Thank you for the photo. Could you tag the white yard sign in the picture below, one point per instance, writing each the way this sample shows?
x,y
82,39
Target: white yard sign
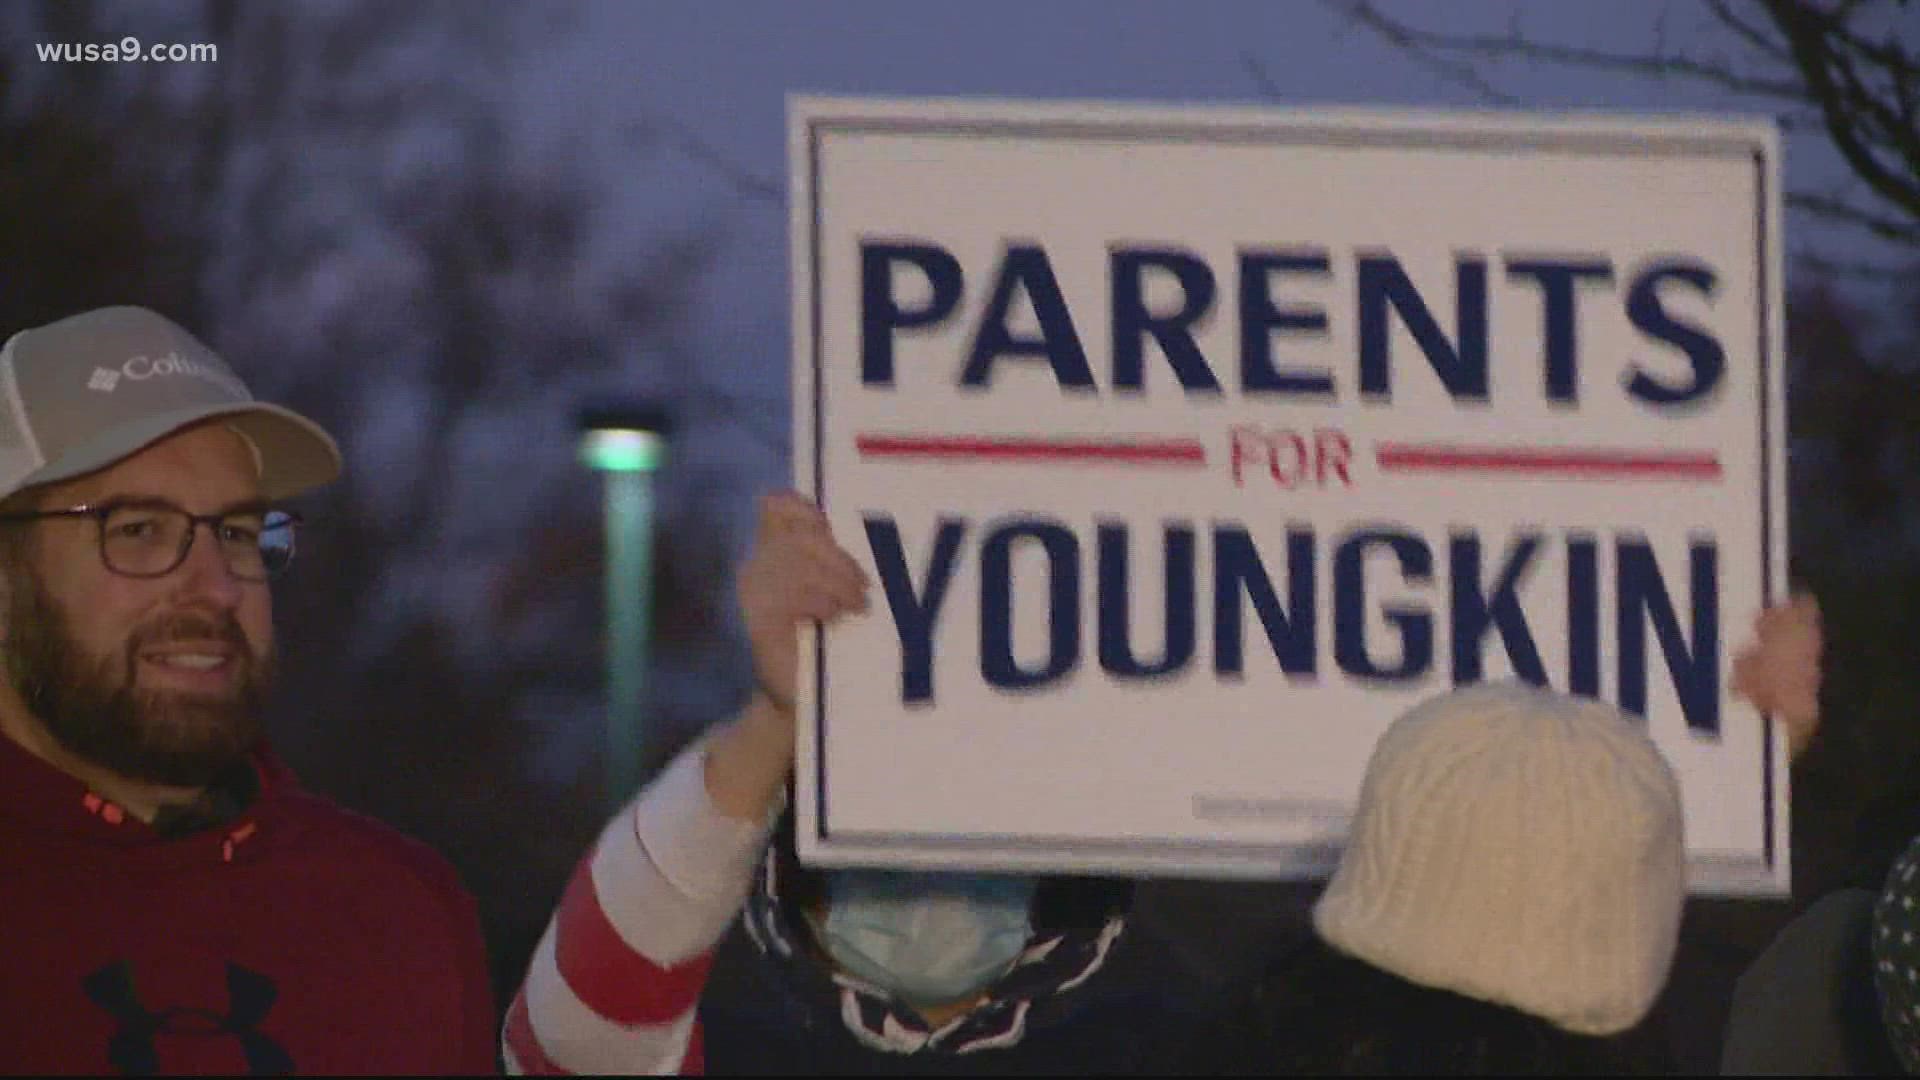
x,y
1188,447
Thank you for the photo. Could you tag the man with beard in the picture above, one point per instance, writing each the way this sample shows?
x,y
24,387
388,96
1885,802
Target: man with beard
x,y
170,900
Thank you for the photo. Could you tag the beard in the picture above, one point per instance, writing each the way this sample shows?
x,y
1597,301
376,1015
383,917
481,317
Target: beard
x,y
91,707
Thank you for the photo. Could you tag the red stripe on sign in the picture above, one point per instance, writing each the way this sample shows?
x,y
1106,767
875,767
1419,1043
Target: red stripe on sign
x,y
1143,451
1558,461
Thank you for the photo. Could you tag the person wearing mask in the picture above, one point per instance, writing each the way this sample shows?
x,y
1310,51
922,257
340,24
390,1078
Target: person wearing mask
x,y
868,971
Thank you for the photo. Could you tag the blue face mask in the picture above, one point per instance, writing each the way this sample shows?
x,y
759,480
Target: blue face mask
x,y
928,939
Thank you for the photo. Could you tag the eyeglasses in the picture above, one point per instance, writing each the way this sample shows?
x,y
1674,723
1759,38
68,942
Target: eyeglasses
x,y
150,538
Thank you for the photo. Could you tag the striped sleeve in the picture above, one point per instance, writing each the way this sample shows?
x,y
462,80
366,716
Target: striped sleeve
x,y
614,982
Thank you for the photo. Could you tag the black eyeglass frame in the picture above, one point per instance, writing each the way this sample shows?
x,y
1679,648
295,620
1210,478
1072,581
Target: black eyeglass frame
x,y
272,518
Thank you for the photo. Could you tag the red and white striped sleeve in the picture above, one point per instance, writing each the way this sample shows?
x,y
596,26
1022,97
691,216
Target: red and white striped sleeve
x,y
614,983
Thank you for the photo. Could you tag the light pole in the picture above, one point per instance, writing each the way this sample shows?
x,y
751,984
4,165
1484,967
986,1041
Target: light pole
x,y
625,442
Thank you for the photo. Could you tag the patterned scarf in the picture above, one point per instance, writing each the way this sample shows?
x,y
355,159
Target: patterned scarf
x,y
1896,956
1053,963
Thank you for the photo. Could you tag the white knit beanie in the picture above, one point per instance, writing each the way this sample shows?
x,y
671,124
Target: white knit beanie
x,y
1517,846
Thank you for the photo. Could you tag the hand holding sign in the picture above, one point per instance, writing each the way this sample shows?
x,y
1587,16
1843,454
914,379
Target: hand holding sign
x,y
1780,672
796,572
1190,445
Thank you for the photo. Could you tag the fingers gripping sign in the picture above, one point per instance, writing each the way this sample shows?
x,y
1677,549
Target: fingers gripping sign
x,y
1779,672
796,573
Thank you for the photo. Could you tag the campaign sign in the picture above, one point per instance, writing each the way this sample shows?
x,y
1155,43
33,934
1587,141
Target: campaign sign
x,y
1187,447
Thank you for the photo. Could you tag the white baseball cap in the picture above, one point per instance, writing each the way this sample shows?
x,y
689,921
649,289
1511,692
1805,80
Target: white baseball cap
x,y
80,394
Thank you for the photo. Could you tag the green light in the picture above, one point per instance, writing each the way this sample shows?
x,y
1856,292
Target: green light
x,y
621,450
629,502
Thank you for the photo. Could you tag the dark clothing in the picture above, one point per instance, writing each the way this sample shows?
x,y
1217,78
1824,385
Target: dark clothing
x,y
1807,1006
1089,996
1120,1022
1318,1011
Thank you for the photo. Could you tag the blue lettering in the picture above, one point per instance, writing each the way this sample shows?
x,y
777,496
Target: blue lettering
x,y
1132,321
1474,612
1414,624
881,313
1260,316
1384,285
1557,281
1116,646
1651,318
1583,616
997,663
914,611
1695,666
1237,571
1026,269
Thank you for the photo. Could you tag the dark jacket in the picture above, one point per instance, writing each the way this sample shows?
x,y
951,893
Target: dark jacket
x,y
1318,1011
1807,1005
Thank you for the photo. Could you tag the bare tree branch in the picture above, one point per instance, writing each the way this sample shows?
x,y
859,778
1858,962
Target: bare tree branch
x,y
1258,72
1906,88
1880,122
1453,71
1836,209
744,180
1863,95
1849,269
1802,117
1657,65
1814,55
1770,47
1887,54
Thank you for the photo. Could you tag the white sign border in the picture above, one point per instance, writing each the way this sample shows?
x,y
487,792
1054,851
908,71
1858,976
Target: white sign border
x,y
813,119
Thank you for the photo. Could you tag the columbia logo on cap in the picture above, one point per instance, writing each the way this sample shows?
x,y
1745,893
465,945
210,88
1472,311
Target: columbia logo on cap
x,y
143,367
63,412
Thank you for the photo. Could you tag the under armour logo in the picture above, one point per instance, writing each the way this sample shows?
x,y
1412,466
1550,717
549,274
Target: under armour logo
x,y
131,1050
103,380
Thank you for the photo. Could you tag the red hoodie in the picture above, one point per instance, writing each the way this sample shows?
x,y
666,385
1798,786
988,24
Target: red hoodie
x,y
297,937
